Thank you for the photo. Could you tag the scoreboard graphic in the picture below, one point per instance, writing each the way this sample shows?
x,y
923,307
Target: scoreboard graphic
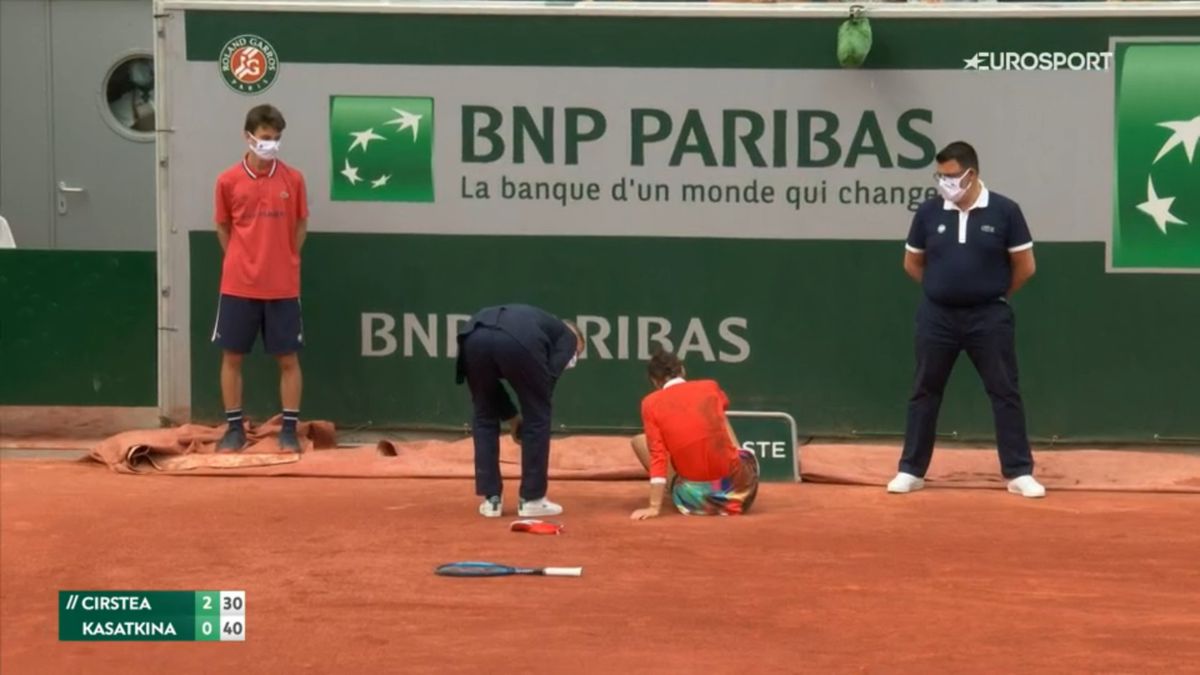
x,y
152,616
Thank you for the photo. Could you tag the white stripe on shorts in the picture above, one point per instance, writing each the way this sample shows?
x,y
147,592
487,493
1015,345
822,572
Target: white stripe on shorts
x,y
217,320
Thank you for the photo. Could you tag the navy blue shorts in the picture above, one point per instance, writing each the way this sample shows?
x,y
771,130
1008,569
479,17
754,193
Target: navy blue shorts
x,y
241,320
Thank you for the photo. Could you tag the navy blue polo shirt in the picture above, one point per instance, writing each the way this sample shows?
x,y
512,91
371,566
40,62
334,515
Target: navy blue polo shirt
x,y
967,252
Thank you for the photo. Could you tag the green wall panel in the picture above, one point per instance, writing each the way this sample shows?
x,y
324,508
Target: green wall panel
x,y
78,328
830,323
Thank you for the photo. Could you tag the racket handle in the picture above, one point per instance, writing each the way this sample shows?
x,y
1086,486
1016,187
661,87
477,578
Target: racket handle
x,y
563,571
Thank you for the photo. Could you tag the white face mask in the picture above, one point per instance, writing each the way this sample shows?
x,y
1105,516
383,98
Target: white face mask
x,y
264,149
571,363
951,187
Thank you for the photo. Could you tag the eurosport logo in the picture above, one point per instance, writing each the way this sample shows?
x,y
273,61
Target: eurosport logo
x,y
1038,61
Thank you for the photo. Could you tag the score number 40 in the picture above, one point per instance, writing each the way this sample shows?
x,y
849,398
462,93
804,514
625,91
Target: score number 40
x,y
230,627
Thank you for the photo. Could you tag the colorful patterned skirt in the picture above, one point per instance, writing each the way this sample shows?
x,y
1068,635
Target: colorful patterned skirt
x,y
729,496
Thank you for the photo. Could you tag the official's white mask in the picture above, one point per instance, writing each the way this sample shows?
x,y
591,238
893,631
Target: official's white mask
x,y
951,188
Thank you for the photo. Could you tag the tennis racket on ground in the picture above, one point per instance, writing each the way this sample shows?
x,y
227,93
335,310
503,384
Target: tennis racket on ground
x,y
487,569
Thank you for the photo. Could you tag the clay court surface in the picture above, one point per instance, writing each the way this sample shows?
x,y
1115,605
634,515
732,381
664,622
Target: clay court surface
x,y
338,575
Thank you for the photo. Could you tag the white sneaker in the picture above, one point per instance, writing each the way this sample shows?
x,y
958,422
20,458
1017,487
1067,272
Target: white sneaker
x,y
904,483
1026,486
538,507
491,507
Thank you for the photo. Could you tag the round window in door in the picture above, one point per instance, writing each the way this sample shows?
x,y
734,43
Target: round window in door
x,y
129,97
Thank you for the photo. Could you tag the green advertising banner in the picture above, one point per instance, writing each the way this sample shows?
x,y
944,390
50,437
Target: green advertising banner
x,y
828,341
1156,205
395,163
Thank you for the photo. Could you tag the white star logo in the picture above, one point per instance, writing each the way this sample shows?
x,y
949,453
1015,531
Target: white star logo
x,y
1158,208
380,182
351,173
406,120
973,62
1186,134
363,138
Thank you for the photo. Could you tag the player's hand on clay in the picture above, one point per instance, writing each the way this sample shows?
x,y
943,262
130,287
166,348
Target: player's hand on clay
x,y
645,514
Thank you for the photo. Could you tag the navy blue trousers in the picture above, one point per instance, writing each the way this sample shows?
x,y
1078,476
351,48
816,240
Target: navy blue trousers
x,y
987,333
492,357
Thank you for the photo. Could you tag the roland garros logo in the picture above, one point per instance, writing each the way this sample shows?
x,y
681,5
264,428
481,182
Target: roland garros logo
x,y
249,64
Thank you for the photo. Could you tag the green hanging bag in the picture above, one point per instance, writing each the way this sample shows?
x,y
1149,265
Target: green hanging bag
x,y
854,41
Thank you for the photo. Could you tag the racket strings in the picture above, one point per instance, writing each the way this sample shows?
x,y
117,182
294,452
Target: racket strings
x,y
473,570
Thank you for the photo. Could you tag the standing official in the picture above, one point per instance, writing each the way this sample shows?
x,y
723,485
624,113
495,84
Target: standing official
x,y
261,215
530,349
970,251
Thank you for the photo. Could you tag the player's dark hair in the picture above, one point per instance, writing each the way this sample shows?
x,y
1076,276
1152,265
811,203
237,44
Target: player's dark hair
x,y
663,366
961,152
265,115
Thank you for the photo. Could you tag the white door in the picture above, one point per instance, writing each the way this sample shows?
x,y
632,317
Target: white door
x,y
103,141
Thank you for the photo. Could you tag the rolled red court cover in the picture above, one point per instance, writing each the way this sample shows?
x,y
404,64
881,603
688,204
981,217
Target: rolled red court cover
x,y
536,527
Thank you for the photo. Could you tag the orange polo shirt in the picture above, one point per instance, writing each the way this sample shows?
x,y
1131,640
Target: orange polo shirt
x,y
262,261
685,421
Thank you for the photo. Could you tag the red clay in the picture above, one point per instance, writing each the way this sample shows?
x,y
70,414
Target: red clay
x,y
338,575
